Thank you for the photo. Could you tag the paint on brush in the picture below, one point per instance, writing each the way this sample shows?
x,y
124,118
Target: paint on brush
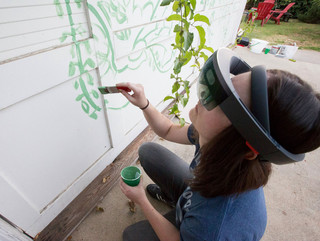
x,y
112,89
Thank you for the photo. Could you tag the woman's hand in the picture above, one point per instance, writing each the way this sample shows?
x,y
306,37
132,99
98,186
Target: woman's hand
x,y
138,97
135,194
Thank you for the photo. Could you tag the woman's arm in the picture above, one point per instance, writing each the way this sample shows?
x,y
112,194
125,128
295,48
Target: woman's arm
x,y
165,230
161,125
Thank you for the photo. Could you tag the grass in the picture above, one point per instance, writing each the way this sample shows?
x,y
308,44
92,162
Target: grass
x,y
306,36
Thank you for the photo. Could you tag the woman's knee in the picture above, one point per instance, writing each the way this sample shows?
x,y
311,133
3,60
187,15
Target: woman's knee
x,y
147,151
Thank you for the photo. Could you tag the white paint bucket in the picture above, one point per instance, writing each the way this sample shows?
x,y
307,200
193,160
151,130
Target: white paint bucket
x,y
257,45
288,51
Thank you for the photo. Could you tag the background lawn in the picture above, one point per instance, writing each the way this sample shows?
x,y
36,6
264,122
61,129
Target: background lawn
x,y
306,36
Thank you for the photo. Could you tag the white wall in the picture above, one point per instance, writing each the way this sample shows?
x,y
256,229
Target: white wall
x,y
57,132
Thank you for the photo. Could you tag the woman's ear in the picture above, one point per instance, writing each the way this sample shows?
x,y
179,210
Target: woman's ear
x,y
250,155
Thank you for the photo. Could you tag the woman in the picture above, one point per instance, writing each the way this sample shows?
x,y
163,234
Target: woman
x,y
220,196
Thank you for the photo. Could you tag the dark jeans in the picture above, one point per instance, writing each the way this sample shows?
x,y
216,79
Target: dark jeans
x,y
170,173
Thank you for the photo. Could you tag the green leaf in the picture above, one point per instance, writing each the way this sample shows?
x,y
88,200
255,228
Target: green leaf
x,y
182,121
181,40
95,94
208,48
177,28
76,85
78,2
59,9
186,10
63,37
173,17
187,56
165,2
79,97
186,86
178,39
72,51
177,66
184,101
201,18
94,115
191,15
90,79
202,35
186,24
168,98
175,6
175,87
188,39
174,109
85,106
72,69
204,56
193,4
90,62
172,76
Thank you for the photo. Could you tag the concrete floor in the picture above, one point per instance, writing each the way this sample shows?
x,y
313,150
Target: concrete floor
x,y
292,194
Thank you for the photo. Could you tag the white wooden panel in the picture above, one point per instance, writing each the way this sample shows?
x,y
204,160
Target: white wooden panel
x,y
8,15
9,233
19,3
32,28
26,40
124,14
13,204
217,3
141,37
47,142
21,79
36,25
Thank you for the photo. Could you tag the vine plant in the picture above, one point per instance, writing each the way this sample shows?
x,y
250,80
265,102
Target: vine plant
x,y
187,23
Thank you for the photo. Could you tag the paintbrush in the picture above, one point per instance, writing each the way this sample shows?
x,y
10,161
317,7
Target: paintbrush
x,y
112,89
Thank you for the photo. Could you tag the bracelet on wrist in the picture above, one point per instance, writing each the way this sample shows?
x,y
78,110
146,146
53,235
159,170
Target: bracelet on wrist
x,y
143,108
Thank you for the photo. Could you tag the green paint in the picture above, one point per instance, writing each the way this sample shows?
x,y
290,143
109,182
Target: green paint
x,y
119,108
59,9
78,2
158,57
105,29
154,7
88,102
88,47
157,60
143,39
102,6
123,35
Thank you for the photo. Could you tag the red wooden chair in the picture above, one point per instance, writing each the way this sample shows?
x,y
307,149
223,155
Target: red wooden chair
x,y
263,10
278,14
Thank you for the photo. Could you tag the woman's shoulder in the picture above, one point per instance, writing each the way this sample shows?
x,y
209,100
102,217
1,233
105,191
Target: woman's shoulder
x,y
246,216
252,199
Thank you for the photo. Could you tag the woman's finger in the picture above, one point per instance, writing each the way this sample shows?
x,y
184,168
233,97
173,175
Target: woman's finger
x,y
122,187
127,95
133,87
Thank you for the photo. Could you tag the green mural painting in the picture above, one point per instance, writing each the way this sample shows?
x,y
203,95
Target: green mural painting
x,y
106,14
87,98
142,43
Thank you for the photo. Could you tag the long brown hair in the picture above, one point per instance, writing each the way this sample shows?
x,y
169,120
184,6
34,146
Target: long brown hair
x,y
294,110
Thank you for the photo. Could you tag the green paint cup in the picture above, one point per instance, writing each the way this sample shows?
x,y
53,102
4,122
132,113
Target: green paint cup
x,y
131,175
267,50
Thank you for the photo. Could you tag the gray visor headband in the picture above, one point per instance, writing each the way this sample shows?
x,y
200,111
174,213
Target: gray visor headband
x,y
215,88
